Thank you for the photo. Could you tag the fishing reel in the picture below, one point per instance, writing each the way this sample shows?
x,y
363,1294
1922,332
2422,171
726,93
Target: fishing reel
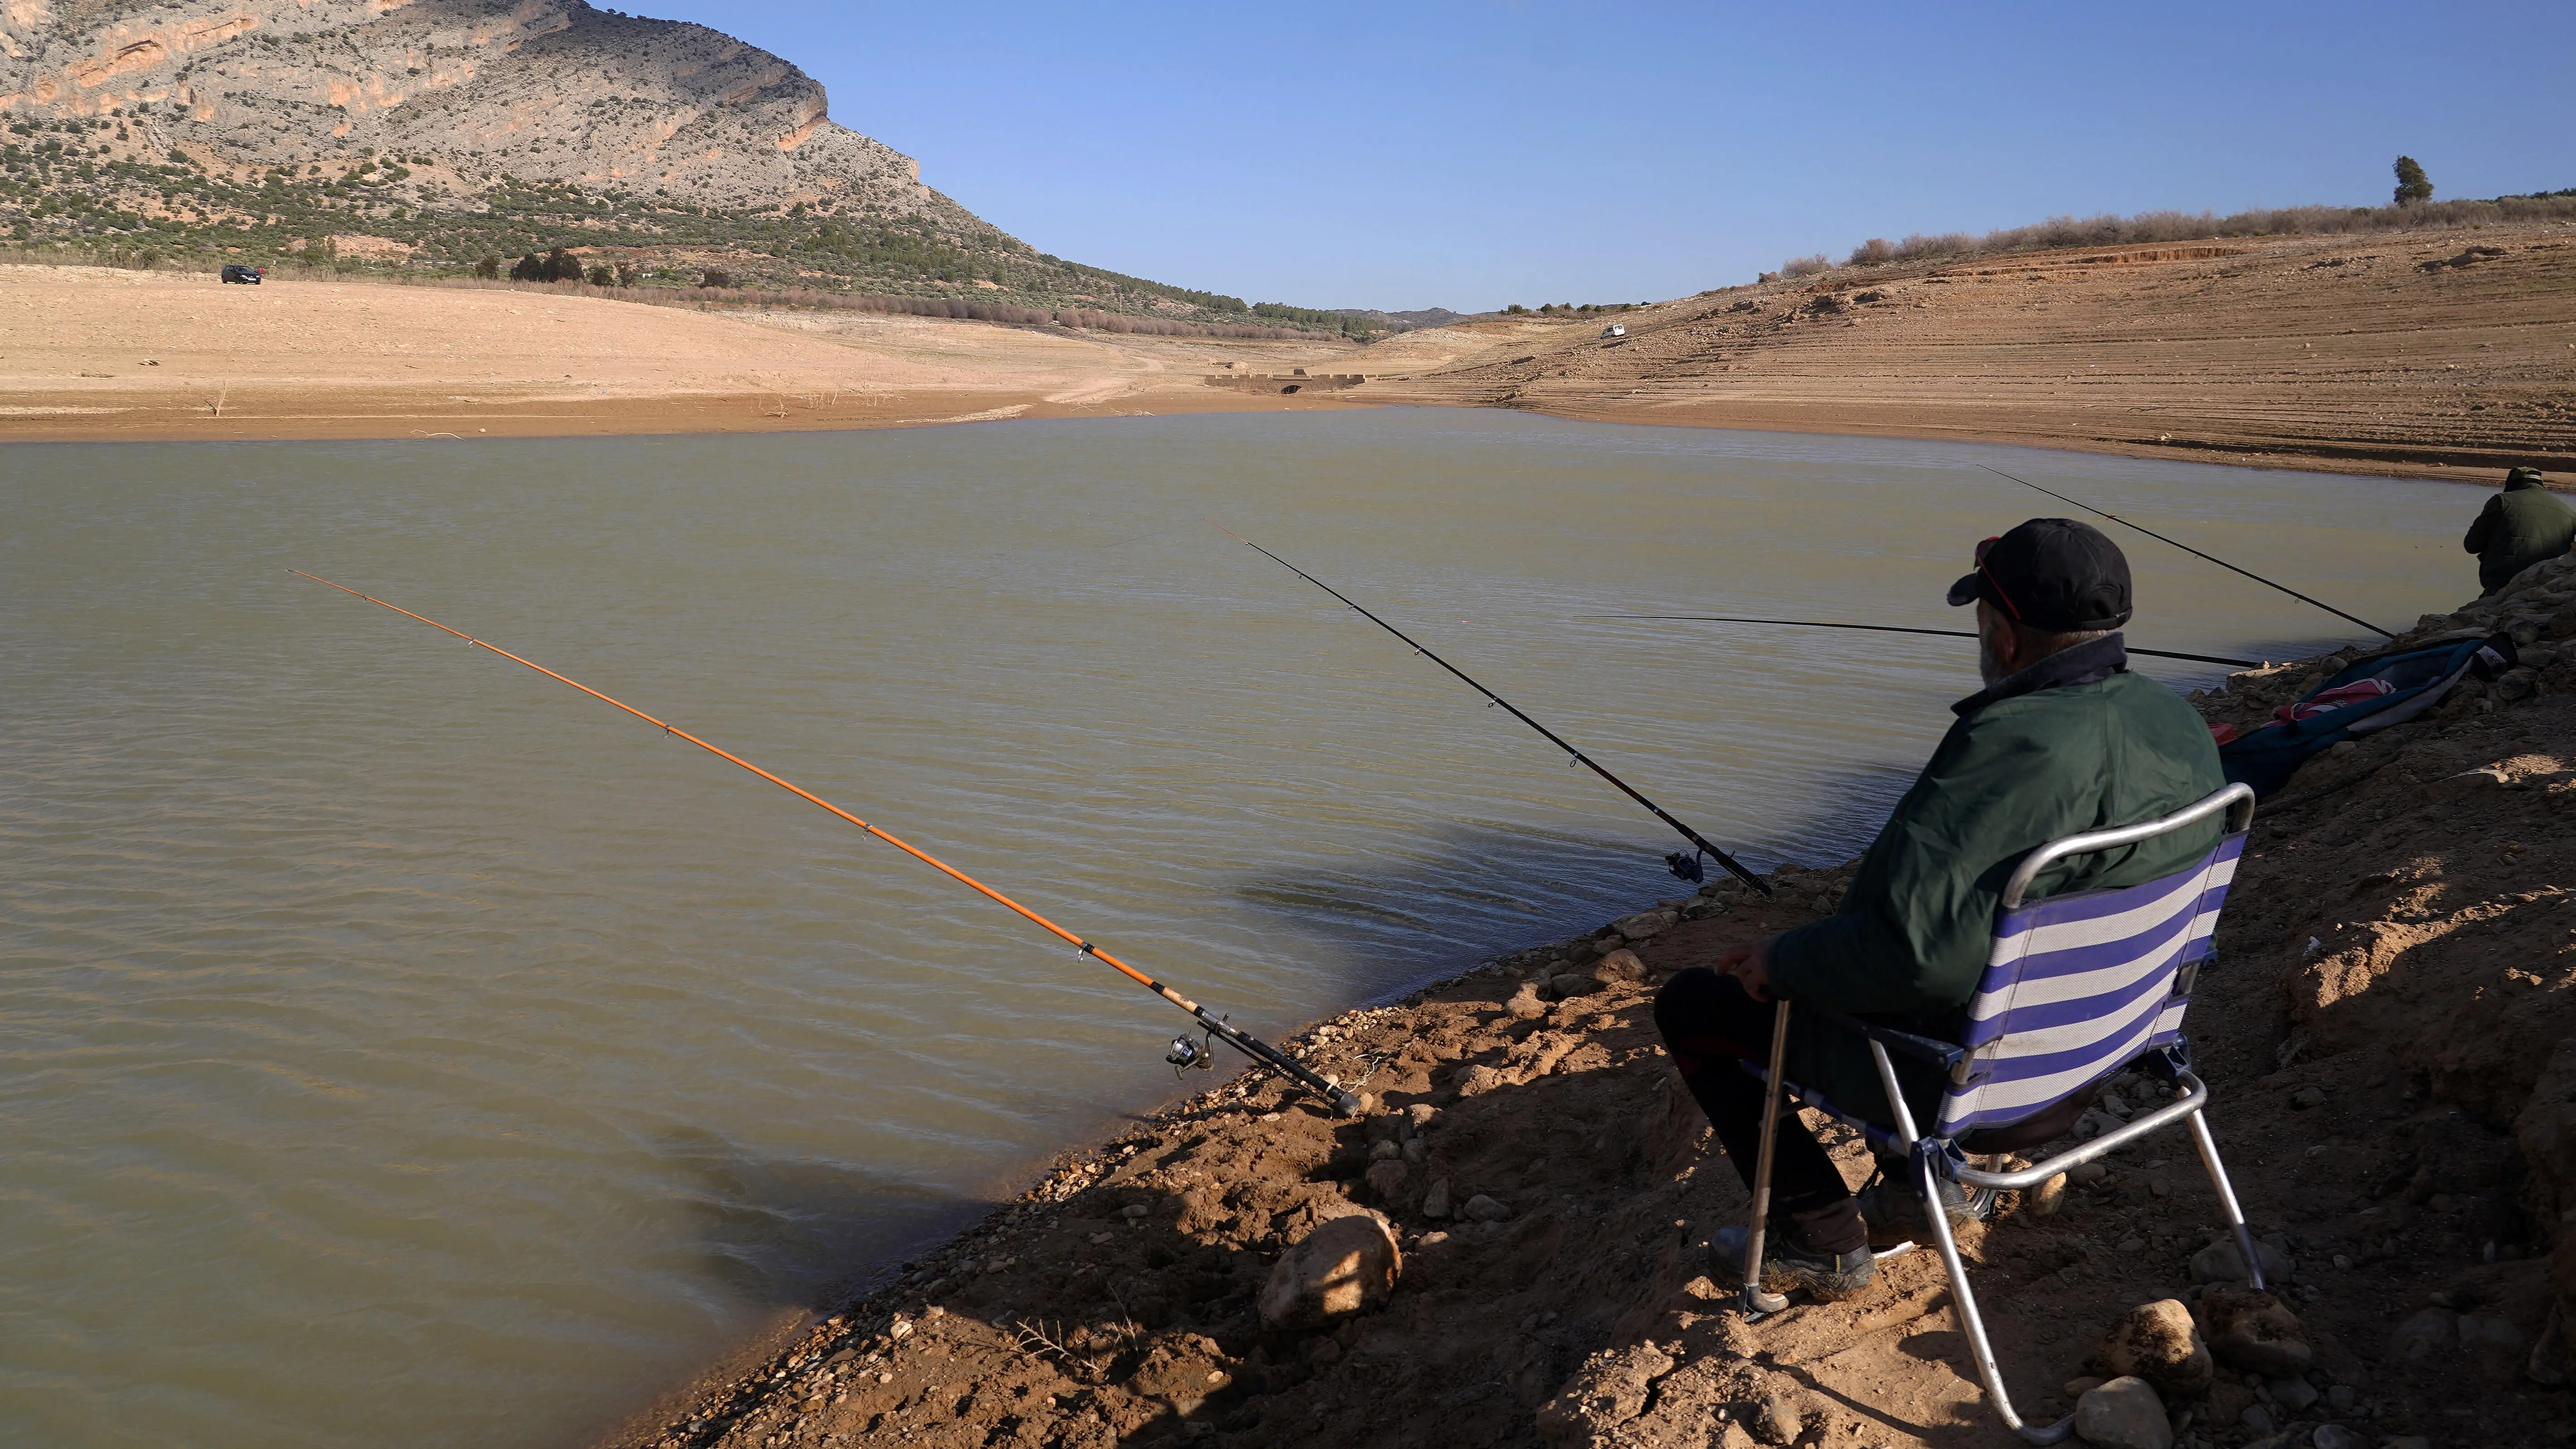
x,y
1686,867
1185,1054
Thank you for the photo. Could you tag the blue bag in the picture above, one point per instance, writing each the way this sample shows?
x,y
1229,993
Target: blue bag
x,y
2414,682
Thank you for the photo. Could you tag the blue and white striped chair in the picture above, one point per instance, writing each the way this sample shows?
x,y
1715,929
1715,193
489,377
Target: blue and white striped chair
x,y
2077,988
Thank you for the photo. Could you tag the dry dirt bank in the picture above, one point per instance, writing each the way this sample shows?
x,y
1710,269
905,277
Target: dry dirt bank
x,y
2391,1031
98,354
2418,353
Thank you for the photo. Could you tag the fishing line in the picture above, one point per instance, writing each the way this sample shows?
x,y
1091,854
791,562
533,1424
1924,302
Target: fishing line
x,y
1183,1052
1904,629
2195,553
1687,867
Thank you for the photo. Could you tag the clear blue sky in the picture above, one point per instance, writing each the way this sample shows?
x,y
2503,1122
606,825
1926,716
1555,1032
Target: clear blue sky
x,y
1468,154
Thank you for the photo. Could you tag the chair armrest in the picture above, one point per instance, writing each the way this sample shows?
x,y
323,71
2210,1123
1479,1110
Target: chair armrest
x,y
1946,1055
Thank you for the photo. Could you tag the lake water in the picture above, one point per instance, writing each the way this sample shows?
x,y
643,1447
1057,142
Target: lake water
x,y
399,1048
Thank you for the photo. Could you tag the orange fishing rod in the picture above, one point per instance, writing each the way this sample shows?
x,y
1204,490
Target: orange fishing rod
x,y
1184,1052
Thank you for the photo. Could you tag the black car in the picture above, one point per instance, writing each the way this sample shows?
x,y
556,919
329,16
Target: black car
x,y
236,272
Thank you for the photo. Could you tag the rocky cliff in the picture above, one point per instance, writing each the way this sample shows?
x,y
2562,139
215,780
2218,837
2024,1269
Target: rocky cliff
x,y
539,90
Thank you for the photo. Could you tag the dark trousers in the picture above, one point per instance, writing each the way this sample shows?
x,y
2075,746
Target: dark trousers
x,y
1709,1024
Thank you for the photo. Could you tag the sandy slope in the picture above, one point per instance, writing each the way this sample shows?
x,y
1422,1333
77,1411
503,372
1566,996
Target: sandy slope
x,y
88,353
2390,1029
2359,353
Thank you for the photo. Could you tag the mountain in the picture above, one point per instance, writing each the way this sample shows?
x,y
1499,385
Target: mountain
x,y
438,133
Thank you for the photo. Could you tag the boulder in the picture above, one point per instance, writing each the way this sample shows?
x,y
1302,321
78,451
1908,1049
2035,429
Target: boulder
x,y
2253,1333
1345,1267
1387,1178
1573,984
1645,924
2158,1342
2124,1414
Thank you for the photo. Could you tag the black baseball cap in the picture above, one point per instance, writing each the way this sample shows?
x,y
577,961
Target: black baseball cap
x,y
2051,573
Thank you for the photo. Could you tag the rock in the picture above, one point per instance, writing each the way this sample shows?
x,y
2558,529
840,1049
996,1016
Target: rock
x,y
2227,1401
1480,1079
1619,966
1609,1390
2257,1418
2407,1441
2253,1333
1525,1005
2296,1395
2307,1097
2493,1343
1346,1266
2045,1199
1435,1203
2424,1335
2518,683
2158,1342
1732,1436
2335,1436
1573,984
2342,1399
1134,1211
2078,1388
2221,1263
1386,1179
1644,924
1385,1148
1420,1115
1776,1421
1483,1209
2124,1414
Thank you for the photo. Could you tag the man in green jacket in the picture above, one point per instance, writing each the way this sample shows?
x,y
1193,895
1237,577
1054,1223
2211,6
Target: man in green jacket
x,y
2062,740
2521,526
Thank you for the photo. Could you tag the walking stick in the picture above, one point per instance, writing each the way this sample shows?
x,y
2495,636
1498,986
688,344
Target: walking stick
x,y
1756,1302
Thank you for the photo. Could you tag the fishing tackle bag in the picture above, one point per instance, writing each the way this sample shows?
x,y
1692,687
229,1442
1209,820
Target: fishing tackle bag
x,y
2367,696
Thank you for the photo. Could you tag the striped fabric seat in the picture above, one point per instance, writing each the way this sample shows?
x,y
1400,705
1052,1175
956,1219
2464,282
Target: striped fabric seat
x,y
2078,986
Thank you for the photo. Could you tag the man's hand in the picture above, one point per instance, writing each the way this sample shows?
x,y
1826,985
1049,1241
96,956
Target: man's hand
x,y
1749,964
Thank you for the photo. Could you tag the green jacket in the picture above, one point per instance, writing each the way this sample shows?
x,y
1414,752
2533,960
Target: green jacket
x,y
2073,743
2521,526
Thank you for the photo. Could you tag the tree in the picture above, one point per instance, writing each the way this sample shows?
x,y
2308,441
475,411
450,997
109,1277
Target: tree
x,y
603,276
2413,186
489,269
529,268
561,266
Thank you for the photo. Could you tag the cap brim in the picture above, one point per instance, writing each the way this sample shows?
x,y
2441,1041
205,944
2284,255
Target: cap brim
x,y
1967,590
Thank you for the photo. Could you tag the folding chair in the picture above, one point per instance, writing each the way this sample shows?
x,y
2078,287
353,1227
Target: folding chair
x,y
2077,987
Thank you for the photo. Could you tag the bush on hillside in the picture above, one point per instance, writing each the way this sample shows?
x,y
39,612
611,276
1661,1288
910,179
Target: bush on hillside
x,y
1806,266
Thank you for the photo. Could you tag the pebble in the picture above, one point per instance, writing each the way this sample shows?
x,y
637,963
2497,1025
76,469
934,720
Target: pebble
x,y
2125,1413
1133,1211
2335,1436
1435,1203
2408,1441
2258,1419
1384,1150
2307,1097
2253,1333
2342,1399
2296,1395
1487,1209
1346,1266
2423,1335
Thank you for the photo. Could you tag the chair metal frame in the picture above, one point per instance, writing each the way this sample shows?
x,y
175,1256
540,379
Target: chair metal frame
x,y
1936,1158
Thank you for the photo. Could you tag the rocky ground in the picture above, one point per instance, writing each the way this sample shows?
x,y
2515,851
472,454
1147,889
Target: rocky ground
x,y
2420,351
1510,1246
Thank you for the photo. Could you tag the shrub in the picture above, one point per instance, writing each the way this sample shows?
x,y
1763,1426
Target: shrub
x,y
529,268
1877,251
1806,266
715,277
489,269
603,275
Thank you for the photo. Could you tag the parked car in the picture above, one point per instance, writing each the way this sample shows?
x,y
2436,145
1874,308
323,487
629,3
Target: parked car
x,y
1614,330
236,272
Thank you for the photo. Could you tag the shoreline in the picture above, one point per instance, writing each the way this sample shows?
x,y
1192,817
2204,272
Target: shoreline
x,y
1111,1299
2394,355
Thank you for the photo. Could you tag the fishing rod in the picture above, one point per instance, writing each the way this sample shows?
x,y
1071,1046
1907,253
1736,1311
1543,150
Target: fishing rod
x,y
1903,629
1184,1052
2195,553
1686,867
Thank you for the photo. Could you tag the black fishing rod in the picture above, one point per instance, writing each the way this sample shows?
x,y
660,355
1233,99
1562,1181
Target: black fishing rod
x,y
2195,553
1687,867
1904,629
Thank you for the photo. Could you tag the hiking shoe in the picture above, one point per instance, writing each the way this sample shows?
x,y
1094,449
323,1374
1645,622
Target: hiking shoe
x,y
1893,1206
1788,1266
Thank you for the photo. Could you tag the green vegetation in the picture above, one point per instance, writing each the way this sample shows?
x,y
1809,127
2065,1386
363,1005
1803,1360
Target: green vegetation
x,y
2413,186
86,184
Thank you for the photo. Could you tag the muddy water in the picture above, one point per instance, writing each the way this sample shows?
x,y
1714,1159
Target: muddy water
x,y
399,1048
